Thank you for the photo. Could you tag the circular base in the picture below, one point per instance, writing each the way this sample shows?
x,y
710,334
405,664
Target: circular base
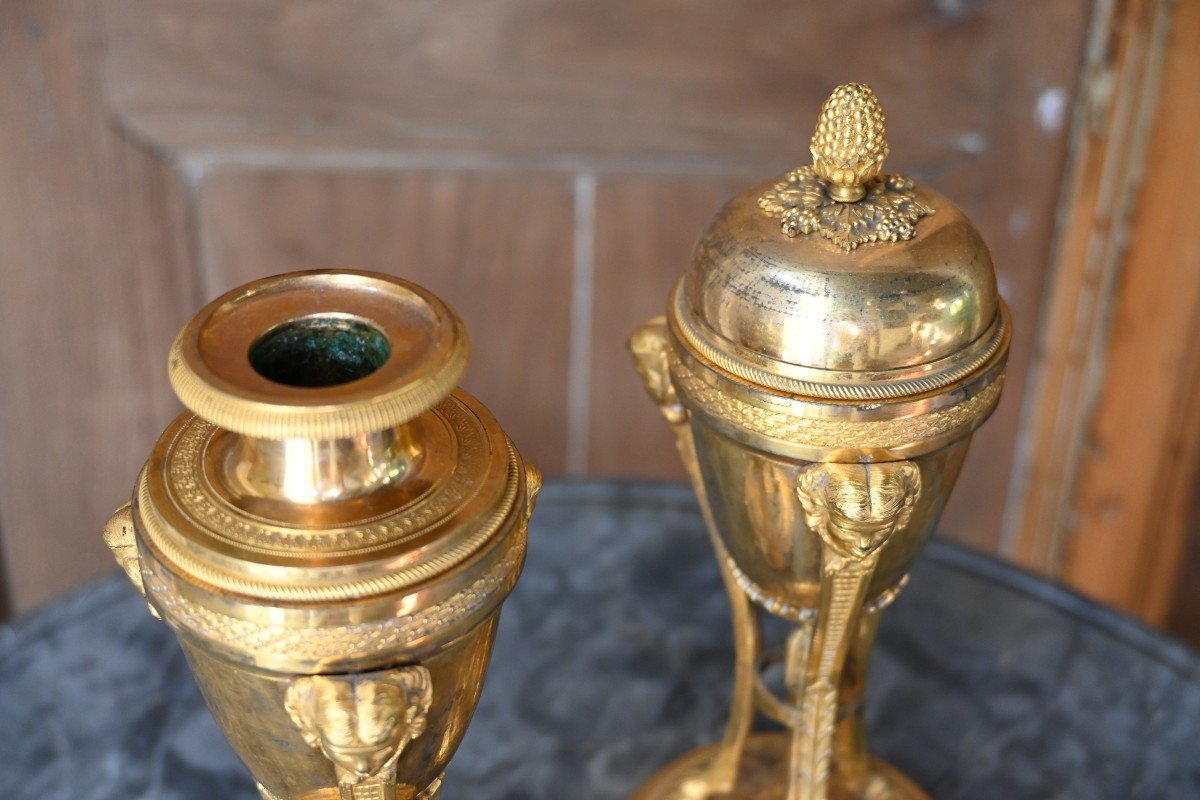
x,y
763,775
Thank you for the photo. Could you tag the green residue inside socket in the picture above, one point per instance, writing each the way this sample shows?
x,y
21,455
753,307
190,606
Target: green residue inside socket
x,y
319,351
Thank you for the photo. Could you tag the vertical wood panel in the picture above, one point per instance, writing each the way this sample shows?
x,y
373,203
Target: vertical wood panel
x,y
89,300
1131,513
1012,194
646,227
1116,107
1183,619
497,247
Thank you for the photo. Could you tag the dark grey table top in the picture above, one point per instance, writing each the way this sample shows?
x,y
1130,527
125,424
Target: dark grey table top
x,y
614,656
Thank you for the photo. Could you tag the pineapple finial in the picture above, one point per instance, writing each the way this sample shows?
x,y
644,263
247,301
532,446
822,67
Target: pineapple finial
x,y
848,146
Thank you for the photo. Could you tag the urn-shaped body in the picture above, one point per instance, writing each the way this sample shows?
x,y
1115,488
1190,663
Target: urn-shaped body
x,y
330,531
823,361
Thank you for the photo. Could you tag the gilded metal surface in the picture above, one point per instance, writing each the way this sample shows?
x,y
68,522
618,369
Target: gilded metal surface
x,y
121,540
850,141
783,557
213,376
831,431
822,398
841,196
179,505
799,308
803,429
362,723
260,640
855,508
332,534
432,793
803,309
766,758
879,385
887,212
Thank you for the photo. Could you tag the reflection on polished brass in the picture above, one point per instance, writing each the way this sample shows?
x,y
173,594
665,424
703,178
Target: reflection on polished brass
x,y
121,540
330,532
841,196
362,723
823,391
850,142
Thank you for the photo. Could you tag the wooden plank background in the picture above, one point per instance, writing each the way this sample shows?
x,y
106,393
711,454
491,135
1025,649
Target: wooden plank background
x,y
1132,510
543,165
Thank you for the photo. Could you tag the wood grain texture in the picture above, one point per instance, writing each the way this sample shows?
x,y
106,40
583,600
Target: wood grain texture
x,y
978,97
157,152
583,82
1113,119
646,227
1183,618
497,247
1026,67
1132,510
95,282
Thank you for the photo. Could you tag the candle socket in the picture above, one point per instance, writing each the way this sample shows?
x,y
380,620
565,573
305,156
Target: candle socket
x,y
330,531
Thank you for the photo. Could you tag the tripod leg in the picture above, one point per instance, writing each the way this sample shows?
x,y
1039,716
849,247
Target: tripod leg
x,y
650,347
723,773
855,509
843,587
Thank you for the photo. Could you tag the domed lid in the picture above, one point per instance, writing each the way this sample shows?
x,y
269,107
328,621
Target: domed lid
x,y
837,281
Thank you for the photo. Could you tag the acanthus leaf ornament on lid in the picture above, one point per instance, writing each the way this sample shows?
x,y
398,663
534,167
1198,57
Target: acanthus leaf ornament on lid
x,y
842,196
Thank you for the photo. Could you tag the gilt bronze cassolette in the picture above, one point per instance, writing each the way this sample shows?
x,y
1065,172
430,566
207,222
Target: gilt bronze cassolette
x,y
823,364
330,531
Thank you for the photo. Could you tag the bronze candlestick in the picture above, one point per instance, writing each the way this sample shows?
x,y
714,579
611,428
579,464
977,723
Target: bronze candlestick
x,y
823,364
331,531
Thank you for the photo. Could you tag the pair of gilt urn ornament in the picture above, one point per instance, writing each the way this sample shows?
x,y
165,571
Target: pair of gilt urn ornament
x,y
333,526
